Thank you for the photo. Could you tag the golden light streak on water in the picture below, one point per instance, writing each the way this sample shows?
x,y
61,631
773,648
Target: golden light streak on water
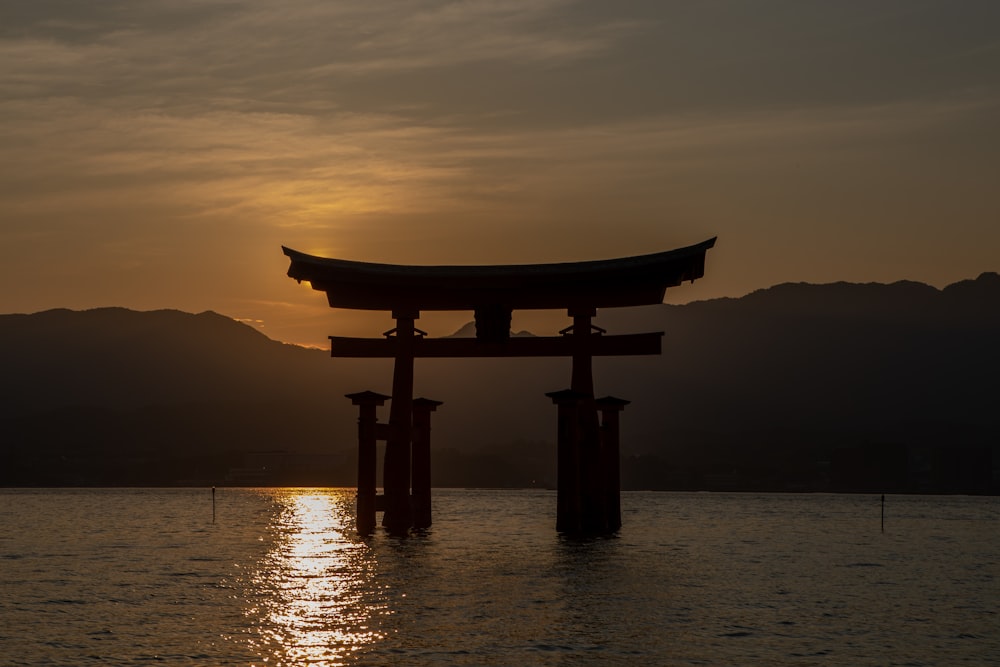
x,y
321,578
143,577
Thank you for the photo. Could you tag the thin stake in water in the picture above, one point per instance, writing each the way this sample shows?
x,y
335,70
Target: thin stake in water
x,y
213,504
883,513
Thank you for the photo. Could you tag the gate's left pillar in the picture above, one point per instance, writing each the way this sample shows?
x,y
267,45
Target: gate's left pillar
x,y
367,401
421,480
398,516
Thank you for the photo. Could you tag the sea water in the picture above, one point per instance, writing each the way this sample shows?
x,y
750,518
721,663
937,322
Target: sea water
x,y
278,577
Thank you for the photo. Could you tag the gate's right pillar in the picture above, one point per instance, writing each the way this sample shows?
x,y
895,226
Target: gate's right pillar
x,y
610,408
591,493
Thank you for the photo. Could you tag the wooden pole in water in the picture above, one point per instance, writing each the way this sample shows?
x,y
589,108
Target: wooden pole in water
x,y
883,513
213,504
421,461
569,509
367,458
591,489
610,408
398,516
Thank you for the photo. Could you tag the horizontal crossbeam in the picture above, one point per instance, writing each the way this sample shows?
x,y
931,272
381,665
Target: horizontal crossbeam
x,y
548,346
609,283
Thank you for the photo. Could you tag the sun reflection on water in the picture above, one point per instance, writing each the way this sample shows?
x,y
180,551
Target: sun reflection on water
x,y
321,603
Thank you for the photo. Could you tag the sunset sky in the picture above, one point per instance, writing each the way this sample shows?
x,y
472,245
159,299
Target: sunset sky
x,y
157,153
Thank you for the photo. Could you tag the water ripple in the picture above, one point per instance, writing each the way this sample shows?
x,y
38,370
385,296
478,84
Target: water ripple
x,y
133,577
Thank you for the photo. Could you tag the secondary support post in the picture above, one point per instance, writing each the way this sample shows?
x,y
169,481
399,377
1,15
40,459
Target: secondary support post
x,y
367,459
398,518
610,408
569,508
422,409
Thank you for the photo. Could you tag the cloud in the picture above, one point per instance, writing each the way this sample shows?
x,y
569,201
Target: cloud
x,y
172,55
236,106
300,170
202,135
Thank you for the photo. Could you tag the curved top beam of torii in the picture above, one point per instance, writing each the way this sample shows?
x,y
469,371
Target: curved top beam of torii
x,y
628,281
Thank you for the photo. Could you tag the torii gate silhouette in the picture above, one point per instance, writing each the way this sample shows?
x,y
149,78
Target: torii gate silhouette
x,y
588,460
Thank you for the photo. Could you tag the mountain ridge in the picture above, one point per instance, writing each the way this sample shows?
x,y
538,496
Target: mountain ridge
x,y
798,371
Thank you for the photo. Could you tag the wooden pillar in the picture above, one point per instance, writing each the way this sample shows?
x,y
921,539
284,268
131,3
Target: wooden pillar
x,y
422,409
581,331
569,509
592,484
367,437
610,408
398,518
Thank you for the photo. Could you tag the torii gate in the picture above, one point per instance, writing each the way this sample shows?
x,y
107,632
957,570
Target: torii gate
x,y
588,485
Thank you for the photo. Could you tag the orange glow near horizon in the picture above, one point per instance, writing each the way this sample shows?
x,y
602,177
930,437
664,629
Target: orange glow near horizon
x,y
495,140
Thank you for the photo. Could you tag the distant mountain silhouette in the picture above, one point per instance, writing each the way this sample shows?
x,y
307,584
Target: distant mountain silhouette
x,y
468,330
112,396
839,386
800,375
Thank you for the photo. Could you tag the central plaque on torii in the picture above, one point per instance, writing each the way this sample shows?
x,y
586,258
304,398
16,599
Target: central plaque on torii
x,y
588,485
